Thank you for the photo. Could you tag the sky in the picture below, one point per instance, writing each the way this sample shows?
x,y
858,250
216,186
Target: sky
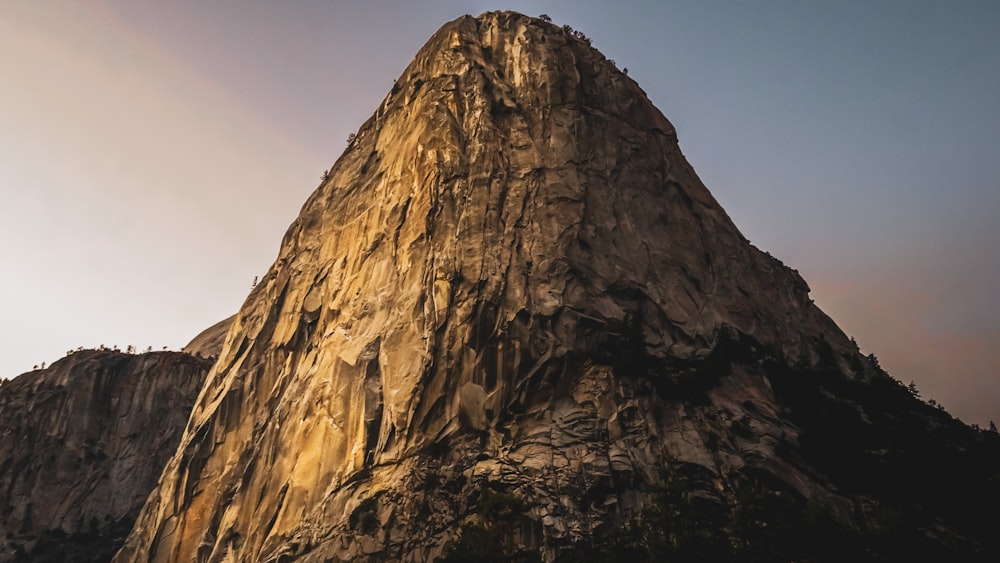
x,y
152,155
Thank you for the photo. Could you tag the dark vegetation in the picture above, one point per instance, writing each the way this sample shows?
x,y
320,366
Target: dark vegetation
x,y
934,480
364,518
129,349
489,538
757,520
922,483
914,483
97,545
754,520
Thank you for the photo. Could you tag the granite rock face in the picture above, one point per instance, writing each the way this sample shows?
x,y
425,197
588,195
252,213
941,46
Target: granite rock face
x,y
511,286
82,444
208,343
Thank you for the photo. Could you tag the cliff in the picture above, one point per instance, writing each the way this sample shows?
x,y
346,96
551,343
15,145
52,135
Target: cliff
x,y
82,444
513,323
208,343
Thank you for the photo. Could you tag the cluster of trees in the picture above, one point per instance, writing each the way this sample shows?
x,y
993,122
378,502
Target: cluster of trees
x,y
578,34
911,388
568,29
130,349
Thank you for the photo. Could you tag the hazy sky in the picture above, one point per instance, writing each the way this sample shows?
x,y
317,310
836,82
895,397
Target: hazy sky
x,y
152,155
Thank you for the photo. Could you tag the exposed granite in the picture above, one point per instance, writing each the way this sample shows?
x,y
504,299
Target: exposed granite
x,y
208,343
82,444
511,280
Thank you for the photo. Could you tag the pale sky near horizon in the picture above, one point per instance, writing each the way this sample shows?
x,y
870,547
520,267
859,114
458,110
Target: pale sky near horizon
x,y
152,155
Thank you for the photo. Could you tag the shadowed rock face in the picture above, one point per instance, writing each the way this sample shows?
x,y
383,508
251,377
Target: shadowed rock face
x,y
511,286
82,444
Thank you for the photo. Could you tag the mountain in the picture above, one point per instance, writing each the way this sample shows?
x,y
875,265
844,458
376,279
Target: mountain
x,y
82,444
513,324
208,343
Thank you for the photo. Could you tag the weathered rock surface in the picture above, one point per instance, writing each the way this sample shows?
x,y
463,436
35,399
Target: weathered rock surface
x,y
513,286
208,343
82,444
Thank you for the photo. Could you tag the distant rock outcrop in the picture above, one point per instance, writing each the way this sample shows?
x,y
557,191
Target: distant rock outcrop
x,y
512,323
82,444
208,343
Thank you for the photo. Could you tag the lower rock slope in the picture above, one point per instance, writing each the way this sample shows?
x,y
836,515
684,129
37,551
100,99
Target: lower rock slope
x,y
82,444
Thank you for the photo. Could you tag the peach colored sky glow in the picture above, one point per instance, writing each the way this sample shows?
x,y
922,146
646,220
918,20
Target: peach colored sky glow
x,y
152,155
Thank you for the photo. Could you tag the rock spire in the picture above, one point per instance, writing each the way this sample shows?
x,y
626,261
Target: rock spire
x,y
507,309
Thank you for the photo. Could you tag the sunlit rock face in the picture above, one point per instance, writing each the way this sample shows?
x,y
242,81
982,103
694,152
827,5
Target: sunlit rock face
x,y
82,444
510,281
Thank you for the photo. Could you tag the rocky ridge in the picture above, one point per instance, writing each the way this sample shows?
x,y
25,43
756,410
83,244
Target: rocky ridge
x,y
513,312
208,343
82,444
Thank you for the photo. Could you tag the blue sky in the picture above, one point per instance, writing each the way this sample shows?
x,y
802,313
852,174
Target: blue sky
x,y
152,155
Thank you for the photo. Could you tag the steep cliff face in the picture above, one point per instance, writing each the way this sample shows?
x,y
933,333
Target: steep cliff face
x,y
510,308
82,444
